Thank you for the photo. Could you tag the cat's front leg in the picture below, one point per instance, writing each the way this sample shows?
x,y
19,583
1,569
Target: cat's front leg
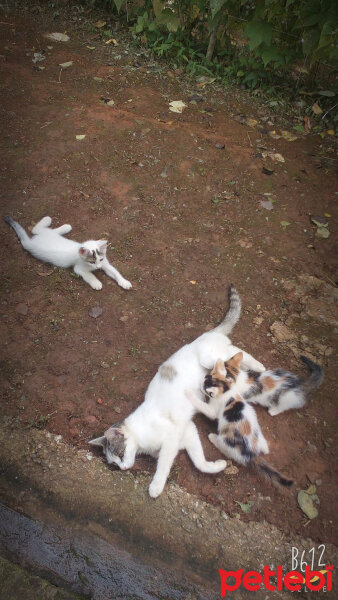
x,y
199,405
115,274
129,456
93,281
166,458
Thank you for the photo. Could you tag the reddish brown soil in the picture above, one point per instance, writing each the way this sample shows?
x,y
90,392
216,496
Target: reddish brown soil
x,y
179,238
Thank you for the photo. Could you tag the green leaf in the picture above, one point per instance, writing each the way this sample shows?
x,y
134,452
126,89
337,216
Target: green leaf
x,y
305,502
158,7
258,32
169,19
216,6
326,93
118,4
246,507
271,54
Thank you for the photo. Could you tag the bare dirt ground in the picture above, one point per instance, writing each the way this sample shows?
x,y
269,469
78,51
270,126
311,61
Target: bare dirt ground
x,y
184,219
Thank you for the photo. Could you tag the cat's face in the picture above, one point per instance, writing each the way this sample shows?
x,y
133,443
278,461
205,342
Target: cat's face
x,y
113,443
223,376
93,252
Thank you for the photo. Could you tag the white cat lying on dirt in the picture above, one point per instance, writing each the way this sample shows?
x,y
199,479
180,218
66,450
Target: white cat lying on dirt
x,y
50,246
162,425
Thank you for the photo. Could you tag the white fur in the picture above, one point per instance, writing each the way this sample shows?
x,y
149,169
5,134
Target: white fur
x,y
50,246
162,424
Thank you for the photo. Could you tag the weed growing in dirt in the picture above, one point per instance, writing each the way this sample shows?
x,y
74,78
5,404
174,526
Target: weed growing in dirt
x,y
41,421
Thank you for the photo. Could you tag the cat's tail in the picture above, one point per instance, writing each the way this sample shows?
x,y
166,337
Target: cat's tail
x,y
263,468
21,233
234,311
313,382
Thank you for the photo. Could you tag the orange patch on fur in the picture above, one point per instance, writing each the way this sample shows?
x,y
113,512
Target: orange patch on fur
x,y
244,428
268,383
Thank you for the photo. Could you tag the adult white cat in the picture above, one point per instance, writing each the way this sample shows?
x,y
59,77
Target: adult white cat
x,y
49,246
162,425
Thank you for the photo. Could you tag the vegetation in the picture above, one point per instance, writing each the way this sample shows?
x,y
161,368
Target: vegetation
x,y
266,42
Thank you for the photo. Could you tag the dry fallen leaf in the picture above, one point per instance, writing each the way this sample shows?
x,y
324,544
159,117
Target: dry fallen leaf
x,y
177,106
287,135
65,65
95,312
80,137
193,282
307,124
316,109
99,24
275,157
57,37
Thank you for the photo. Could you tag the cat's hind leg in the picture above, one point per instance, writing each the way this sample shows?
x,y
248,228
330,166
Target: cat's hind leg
x,y
263,444
115,274
63,229
193,446
286,401
166,457
249,362
45,222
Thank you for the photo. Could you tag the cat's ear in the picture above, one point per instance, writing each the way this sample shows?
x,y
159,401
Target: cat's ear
x,y
236,360
84,252
113,432
219,369
100,441
102,245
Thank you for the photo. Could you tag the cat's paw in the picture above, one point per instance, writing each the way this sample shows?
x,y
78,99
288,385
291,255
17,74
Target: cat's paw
x,y
274,411
96,285
125,284
221,464
155,489
46,222
259,367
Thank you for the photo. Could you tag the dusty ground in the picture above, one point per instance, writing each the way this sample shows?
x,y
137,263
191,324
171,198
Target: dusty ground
x,y
184,219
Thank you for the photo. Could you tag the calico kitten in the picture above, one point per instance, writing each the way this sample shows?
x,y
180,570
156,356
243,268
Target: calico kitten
x,y
239,435
162,425
281,390
49,246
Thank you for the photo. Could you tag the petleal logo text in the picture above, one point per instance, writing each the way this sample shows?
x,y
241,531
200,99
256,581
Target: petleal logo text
x,y
290,580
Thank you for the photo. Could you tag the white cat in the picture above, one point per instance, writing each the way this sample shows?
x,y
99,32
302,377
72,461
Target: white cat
x,y
162,425
49,246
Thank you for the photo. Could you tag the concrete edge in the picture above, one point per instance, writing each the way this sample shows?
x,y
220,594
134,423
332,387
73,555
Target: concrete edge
x,y
176,526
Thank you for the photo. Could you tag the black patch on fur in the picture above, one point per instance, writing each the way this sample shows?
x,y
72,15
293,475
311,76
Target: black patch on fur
x,y
274,399
254,374
234,413
255,390
210,381
241,443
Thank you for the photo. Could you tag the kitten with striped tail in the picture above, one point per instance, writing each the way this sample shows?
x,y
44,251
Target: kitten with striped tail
x,y
50,246
239,435
280,390
162,425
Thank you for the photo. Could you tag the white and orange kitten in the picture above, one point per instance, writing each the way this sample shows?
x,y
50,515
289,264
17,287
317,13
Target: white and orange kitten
x,y
50,246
